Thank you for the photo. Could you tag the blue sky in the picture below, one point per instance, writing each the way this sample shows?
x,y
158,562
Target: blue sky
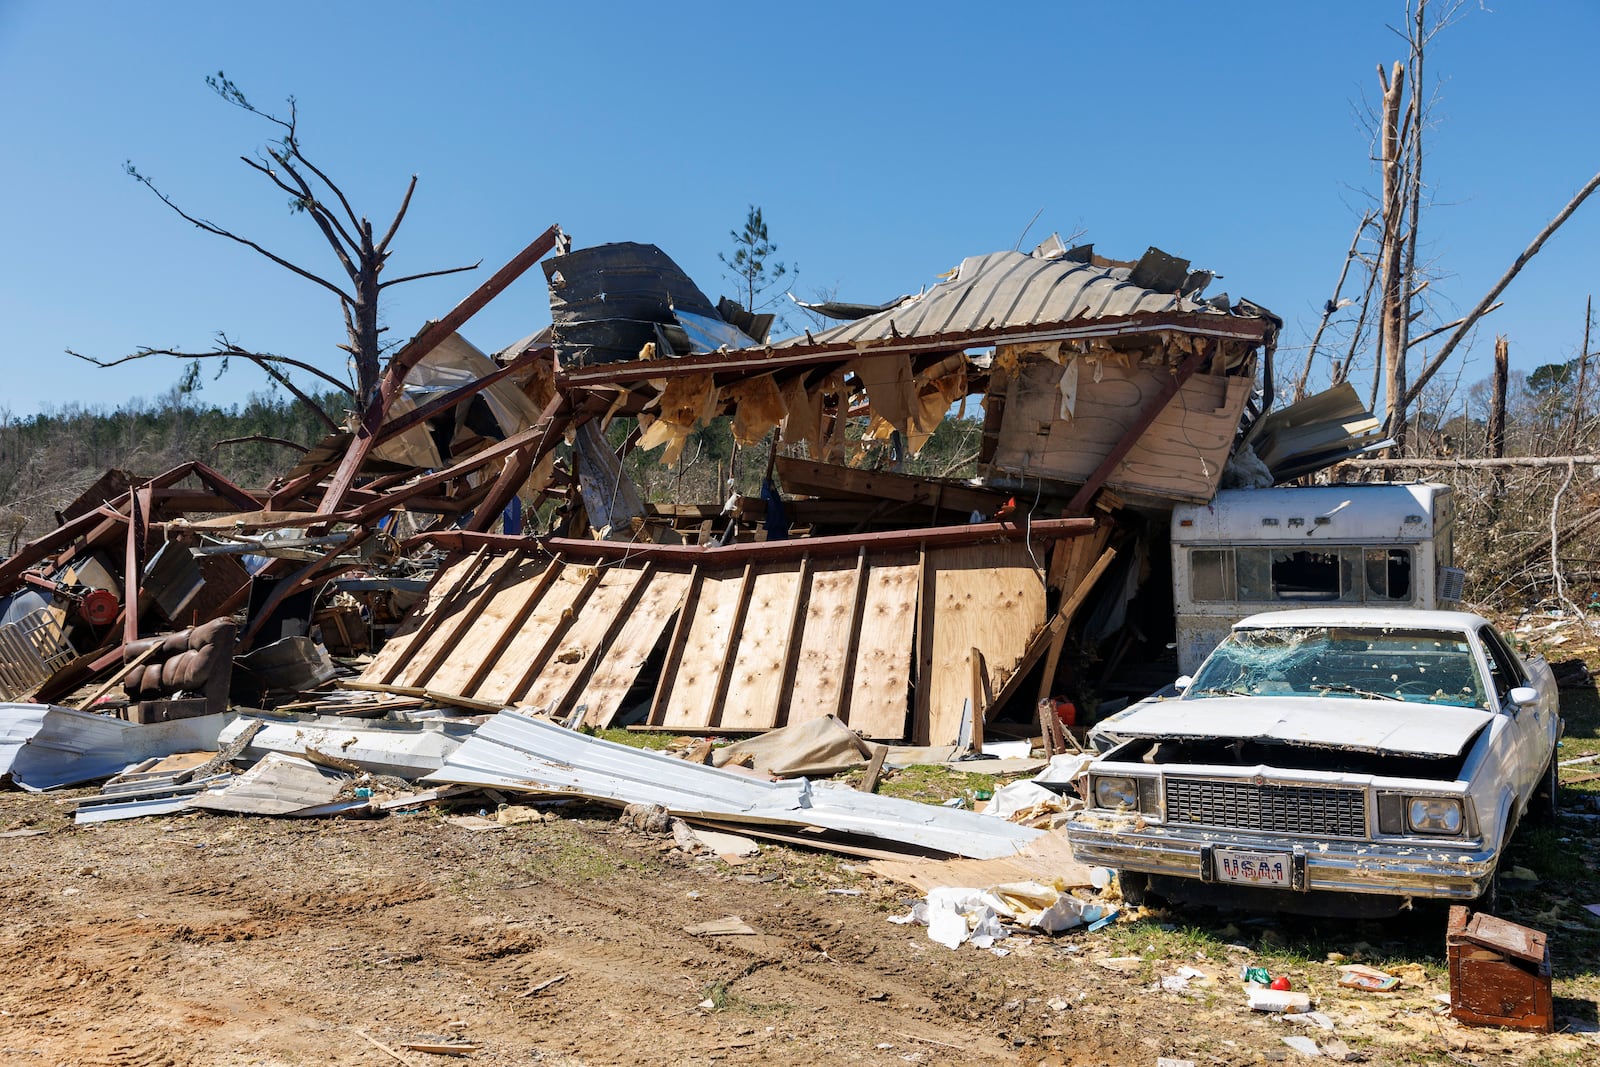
x,y
884,143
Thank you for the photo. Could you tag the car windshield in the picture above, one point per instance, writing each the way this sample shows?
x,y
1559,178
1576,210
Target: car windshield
x,y
1372,663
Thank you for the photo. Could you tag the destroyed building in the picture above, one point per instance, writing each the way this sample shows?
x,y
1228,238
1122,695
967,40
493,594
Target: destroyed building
x,y
913,609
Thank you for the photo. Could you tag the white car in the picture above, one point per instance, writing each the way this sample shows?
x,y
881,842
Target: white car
x,y
1333,761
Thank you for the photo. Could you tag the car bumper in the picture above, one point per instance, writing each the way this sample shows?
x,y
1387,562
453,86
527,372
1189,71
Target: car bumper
x,y
1395,869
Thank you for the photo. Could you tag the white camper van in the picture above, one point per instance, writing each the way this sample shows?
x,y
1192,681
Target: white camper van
x,y
1252,550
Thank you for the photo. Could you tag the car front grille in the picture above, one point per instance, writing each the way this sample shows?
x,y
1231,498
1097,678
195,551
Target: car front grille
x,y
1286,809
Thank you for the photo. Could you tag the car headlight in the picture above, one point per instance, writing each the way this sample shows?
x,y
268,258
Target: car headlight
x,y
1116,791
1434,815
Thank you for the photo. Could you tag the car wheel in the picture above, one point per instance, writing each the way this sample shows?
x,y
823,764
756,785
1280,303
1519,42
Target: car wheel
x,y
1134,885
1545,804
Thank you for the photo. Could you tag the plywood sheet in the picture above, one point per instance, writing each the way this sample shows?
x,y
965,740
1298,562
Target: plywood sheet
x,y
877,703
517,590
988,597
693,680
451,622
820,663
585,640
620,663
535,640
397,650
754,693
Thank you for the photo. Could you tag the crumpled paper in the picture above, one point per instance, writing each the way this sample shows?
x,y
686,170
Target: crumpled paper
x,y
956,915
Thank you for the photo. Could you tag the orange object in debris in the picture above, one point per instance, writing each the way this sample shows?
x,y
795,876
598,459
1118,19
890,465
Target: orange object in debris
x,y
1067,712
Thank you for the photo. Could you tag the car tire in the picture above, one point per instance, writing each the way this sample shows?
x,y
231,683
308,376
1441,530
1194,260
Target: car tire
x,y
1135,886
1545,804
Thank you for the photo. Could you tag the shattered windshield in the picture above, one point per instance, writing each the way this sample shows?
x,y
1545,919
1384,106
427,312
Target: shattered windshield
x,y
1371,663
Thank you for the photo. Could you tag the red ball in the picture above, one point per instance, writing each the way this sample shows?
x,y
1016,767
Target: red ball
x,y
1280,982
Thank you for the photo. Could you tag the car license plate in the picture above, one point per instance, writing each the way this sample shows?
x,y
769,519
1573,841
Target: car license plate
x,y
1253,868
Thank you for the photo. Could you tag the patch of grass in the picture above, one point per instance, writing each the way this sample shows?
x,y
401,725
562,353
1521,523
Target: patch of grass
x,y
936,783
634,738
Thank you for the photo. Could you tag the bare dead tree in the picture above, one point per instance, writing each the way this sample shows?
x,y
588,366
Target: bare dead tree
x,y
360,252
1392,281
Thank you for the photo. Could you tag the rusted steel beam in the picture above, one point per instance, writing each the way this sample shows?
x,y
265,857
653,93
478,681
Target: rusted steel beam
x,y
540,435
763,551
1148,416
766,359
133,565
377,407
241,498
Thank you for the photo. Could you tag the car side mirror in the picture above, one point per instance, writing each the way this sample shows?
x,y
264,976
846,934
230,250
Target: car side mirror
x,y
1522,695
1184,682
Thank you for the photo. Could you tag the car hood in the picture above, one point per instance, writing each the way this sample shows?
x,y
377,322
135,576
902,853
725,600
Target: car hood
x,y
1357,725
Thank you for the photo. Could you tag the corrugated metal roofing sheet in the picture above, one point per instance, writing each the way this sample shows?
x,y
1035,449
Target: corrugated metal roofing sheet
x,y
1012,289
516,751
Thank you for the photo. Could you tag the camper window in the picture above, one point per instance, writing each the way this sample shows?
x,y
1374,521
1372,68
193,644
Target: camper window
x,y
1266,575
1388,574
1212,573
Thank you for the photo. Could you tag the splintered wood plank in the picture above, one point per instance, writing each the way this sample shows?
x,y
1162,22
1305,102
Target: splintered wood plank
x,y
755,684
878,700
987,597
619,664
591,632
691,684
454,621
824,636
519,589
419,621
508,678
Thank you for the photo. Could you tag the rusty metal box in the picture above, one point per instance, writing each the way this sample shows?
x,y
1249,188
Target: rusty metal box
x,y
1499,972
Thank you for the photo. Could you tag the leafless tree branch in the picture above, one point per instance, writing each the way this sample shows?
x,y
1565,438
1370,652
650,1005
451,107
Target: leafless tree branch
x,y
405,204
258,438
430,274
213,228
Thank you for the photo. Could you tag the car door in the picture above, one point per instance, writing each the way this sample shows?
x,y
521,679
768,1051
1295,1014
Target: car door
x,y
1530,726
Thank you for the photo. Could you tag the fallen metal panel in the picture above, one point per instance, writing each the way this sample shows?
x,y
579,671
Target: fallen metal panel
x,y
157,796
278,785
516,751
18,724
406,751
72,747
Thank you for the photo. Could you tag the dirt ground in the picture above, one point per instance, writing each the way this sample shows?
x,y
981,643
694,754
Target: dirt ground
x,y
210,940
